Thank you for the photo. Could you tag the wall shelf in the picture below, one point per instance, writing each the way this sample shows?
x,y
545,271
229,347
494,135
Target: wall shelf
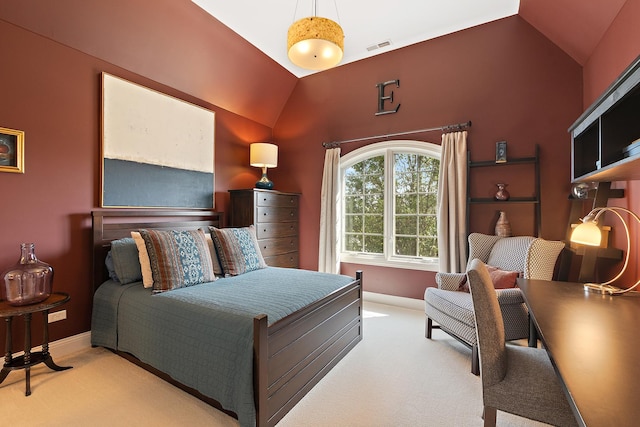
x,y
534,201
504,202
602,134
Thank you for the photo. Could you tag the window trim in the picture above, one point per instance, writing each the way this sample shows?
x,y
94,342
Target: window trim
x,y
386,148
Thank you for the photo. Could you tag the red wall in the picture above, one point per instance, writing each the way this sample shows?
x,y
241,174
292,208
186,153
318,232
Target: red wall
x,y
52,93
505,77
619,47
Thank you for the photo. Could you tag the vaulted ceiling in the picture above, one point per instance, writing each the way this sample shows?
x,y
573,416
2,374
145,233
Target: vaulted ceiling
x,y
576,26
127,33
373,27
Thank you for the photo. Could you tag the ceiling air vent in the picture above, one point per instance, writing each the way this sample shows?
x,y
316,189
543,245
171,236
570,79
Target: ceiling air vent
x,y
379,45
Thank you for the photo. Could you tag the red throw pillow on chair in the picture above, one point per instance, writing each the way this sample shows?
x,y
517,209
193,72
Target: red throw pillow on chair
x,y
502,279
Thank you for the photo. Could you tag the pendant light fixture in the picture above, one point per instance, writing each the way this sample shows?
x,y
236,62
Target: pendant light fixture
x,y
315,43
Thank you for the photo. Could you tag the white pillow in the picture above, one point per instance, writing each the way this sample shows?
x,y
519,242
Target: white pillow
x,y
143,256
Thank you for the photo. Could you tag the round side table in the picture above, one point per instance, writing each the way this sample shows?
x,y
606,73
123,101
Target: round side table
x,y
28,359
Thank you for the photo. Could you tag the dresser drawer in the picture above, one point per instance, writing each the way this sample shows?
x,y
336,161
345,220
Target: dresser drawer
x,y
276,200
270,230
271,247
289,260
272,214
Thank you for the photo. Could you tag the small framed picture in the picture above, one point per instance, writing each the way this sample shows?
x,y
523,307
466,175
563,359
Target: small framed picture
x,y
501,152
11,150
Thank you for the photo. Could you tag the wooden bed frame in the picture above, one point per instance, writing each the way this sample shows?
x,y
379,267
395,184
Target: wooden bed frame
x,y
291,356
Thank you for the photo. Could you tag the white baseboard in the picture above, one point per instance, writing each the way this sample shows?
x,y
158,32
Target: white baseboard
x,y
66,346
412,303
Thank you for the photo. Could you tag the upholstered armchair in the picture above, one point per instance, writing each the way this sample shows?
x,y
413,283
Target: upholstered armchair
x,y
452,308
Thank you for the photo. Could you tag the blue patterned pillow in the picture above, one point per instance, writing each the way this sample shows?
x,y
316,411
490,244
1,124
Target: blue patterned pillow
x,y
178,258
237,249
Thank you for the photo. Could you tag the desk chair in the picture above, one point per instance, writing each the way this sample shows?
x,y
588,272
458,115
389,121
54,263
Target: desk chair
x,y
518,380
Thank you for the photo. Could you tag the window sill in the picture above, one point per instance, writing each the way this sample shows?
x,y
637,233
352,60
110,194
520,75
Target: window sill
x,y
417,264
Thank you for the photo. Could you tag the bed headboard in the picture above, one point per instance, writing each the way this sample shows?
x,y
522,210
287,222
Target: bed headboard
x,y
112,224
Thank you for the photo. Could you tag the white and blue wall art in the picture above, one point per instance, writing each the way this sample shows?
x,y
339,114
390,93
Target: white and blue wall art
x,y
157,150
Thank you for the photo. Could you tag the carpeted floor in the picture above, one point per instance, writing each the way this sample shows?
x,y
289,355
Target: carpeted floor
x,y
395,377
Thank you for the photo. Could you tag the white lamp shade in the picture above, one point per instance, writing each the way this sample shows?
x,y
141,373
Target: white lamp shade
x,y
262,154
587,233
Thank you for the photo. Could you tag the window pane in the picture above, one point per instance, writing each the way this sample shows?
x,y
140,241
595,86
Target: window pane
x,y
353,204
353,243
352,182
428,226
353,223
374,204
429,247
428,183
406,246
407,225
374,165
373,244
374,184
373,224
428,203
406,204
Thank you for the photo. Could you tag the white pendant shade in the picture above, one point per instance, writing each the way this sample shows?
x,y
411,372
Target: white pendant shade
x,y
315,43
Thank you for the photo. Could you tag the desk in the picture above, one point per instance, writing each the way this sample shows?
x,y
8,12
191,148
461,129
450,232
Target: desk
x,y
28,359
593,342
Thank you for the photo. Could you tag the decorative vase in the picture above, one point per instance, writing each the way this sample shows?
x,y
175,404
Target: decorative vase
x,y
502,193
503,228
29,281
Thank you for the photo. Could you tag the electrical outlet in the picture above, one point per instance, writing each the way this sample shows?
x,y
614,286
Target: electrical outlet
x,y
57,315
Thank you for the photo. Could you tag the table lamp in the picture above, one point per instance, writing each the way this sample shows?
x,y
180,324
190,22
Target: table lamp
x,y
263,155
588,233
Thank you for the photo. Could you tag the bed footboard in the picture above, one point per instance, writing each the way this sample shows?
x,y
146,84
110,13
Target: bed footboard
x,y
295,353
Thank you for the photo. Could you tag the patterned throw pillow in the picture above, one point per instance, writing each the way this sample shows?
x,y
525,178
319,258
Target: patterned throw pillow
x,y
178,258
237,249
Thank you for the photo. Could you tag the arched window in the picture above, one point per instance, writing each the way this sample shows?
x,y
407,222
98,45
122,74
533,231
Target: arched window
x,y
389,211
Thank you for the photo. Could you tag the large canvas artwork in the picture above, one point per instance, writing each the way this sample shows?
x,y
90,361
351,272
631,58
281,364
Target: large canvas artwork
x,y
157,150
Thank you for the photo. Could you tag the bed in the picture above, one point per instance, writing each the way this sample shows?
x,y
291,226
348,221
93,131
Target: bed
x,y
251,345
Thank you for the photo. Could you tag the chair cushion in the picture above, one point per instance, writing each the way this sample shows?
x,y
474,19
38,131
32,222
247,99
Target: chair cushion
x,y
453,310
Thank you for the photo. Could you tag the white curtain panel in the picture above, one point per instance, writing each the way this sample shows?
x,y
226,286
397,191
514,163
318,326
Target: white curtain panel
x,y
452,203
330,227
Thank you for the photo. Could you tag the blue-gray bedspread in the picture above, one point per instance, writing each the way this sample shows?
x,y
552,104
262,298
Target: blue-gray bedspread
x,y
202,335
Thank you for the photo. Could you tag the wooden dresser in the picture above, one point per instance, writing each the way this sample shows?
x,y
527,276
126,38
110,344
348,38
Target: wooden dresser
x,y
275,216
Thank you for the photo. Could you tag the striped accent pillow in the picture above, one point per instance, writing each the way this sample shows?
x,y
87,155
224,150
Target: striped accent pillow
x,y
238,249
178,258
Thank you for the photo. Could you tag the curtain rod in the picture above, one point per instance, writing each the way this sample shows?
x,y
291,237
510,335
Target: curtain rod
x,y
448,128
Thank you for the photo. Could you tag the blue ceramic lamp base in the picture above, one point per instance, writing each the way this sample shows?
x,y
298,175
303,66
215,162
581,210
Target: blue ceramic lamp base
x,y
264,183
